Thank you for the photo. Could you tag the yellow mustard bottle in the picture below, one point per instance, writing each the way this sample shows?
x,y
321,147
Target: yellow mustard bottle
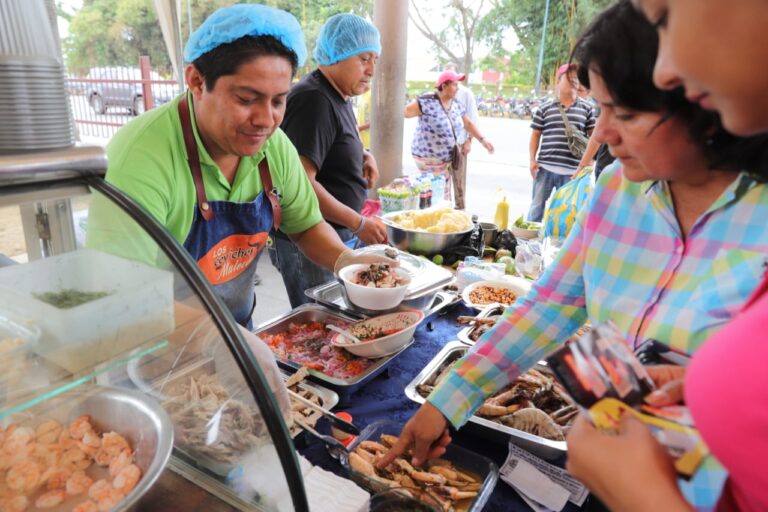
x,y
502,214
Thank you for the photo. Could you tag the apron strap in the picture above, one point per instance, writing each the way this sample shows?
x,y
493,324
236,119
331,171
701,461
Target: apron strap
x,y
193,158
271,192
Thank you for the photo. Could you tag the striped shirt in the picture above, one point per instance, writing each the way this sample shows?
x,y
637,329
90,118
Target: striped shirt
x,y
554,154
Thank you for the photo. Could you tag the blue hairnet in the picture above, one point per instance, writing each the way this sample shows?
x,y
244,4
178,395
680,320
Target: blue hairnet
x,y
343,36
231,23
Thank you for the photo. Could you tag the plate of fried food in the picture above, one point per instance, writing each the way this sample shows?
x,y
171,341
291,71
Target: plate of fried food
x,y
478,295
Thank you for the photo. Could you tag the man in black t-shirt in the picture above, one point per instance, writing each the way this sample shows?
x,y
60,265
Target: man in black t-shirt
x,y
321,124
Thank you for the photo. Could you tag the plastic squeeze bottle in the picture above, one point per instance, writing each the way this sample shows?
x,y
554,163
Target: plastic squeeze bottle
x,y
502,214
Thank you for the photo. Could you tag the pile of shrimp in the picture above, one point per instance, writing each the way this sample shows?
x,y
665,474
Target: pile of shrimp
x,y
46,466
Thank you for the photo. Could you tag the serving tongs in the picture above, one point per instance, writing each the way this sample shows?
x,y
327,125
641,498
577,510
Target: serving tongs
x,y
335,421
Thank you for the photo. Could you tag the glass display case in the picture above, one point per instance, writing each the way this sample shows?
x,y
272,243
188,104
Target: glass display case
x,y
120,370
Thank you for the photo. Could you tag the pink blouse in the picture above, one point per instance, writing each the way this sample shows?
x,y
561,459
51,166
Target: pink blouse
x,y
726,389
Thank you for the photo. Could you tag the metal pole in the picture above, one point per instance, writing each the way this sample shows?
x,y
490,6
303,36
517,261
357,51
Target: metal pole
x,y
541,49
388,95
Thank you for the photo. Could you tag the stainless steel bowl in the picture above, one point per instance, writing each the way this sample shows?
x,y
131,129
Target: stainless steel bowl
x,y
490,230
419,242
138,418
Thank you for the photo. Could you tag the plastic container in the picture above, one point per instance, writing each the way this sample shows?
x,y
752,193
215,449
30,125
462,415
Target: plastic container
x,y
502,214
464,460
17,342
138,307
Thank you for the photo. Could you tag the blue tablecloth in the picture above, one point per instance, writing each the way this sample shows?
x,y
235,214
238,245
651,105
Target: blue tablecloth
x,y
384,398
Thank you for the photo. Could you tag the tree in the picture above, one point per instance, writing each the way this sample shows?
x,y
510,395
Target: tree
x,y
452,28
117,32
567,19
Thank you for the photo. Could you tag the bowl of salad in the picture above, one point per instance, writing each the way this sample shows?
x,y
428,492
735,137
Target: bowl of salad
x,y
524,229
375,286
381,335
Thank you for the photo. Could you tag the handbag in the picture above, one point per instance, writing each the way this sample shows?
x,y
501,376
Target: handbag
x,y
566,202
577,141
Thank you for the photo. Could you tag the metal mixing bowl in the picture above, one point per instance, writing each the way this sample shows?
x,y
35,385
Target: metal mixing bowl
x,y
138,418
419,242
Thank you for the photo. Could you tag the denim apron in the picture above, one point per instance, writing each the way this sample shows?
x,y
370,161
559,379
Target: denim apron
x,y
226,237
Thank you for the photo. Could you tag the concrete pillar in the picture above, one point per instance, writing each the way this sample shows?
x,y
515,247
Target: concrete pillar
x,y
388,95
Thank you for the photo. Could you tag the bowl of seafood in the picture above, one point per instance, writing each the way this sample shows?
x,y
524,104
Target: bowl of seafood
x,y
460,480
480,294
375,286
381,335
98,448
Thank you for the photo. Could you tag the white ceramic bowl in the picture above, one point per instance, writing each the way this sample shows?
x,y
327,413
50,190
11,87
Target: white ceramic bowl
x,y
378,299
517,285
403,322
525,234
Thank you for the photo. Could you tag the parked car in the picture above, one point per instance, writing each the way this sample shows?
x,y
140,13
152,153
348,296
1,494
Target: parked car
x,y
112,92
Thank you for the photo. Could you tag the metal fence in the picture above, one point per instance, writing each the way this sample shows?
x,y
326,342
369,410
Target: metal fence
x,y
108,97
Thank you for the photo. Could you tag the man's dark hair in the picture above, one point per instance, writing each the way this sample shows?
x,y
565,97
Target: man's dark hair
x,y
621,46
225,59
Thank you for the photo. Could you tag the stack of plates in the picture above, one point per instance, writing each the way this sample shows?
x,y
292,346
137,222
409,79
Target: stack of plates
x,y
34,105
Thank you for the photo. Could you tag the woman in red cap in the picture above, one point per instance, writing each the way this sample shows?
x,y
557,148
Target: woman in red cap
x,y
442,122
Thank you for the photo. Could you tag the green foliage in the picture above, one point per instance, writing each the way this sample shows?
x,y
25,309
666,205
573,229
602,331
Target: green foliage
x,y
117,32
567,19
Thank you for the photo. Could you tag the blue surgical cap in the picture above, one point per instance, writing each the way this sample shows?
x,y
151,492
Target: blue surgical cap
x,y
343,36
231,23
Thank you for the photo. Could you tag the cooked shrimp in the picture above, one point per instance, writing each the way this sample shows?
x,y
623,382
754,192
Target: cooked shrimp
x,y
23,477
120,462
15,504
80,426
51,498
65,440
56,478
48,454
114,443
18,439
48,432
91,443
127,479
99,489
110,499
78,483
86,506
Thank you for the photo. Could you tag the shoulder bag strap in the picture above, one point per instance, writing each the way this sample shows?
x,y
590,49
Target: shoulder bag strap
x,y
271,192
450,121
193,158
568,127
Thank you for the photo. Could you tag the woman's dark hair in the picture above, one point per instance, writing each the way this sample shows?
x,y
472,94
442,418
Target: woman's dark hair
x,y
225,59
621,46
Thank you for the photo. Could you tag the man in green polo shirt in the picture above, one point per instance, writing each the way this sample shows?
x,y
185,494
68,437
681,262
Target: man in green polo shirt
x,y
199,163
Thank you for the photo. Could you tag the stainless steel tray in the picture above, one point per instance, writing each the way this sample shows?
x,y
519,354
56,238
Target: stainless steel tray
x,y
491,309
426,277
544,448
318,313
332,295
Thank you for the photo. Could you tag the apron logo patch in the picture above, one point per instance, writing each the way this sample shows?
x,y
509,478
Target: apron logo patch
x,y
230,257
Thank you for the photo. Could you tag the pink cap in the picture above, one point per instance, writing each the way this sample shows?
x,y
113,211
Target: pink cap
x,y
564,69
449,76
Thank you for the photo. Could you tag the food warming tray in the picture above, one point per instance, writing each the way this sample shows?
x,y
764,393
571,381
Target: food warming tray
x,y
544,448
424,290
464,335
317,313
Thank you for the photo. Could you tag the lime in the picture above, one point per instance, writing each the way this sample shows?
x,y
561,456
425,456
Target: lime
x,y
509,264
437,259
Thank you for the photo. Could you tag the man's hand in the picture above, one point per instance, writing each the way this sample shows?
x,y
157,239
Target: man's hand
x,y
669,379
370,169
534,168
426,432
350,257
622,468
373,232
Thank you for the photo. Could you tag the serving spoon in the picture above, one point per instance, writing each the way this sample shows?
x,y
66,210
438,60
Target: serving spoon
x,y
344,333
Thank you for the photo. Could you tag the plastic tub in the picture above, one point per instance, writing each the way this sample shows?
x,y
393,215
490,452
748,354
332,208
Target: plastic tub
x,y
17,343
138,307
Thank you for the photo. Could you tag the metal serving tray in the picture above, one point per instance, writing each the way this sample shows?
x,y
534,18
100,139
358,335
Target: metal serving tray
x,y
317,313
490,309
544,448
